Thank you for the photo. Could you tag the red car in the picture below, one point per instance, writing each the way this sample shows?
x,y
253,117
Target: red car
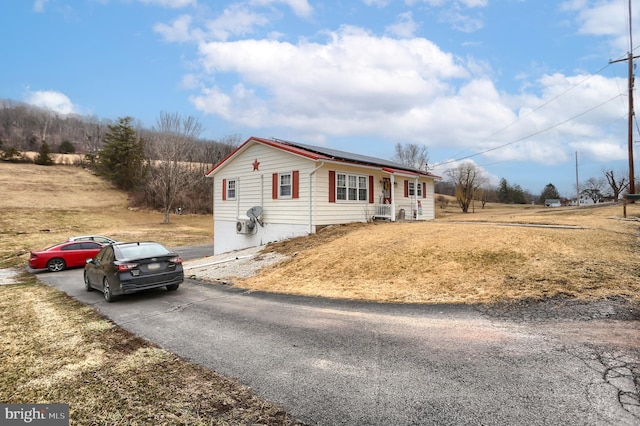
x,y
66,255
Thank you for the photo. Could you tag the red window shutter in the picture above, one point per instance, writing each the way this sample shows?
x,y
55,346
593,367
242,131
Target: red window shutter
x,y
274,186
424,189
295,185
332,186
224,189
406,188
371,189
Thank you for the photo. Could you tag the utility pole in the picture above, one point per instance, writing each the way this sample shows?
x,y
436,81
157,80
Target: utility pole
x,y
577,184
632,185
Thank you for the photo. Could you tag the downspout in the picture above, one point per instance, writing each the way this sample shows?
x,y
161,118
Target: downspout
x,y
213,209
311,195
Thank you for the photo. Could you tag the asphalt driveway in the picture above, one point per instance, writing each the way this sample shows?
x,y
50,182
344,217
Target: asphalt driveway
x,y
338,362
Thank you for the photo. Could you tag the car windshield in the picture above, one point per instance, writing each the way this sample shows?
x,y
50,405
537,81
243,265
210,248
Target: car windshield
x,y
140,251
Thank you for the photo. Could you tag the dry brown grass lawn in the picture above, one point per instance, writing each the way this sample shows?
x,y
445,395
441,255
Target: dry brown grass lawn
x,y
467,258
57,350
41,206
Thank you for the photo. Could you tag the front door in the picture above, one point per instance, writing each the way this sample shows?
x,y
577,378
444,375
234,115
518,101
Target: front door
x,y
386,190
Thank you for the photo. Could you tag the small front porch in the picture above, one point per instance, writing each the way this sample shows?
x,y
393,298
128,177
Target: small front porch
x,y
393,213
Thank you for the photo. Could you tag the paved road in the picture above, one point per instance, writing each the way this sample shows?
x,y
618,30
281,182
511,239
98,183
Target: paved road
x,y
194,252
336,362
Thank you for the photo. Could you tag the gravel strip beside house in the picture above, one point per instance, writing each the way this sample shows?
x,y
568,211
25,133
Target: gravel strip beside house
x,y
236,264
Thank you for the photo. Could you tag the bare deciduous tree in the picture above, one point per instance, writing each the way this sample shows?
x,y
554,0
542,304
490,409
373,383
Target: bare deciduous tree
x,y
593,188
412,155
617,185
172,142
467,178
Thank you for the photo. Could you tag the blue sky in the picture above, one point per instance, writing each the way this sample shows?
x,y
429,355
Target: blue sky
x,y
516,86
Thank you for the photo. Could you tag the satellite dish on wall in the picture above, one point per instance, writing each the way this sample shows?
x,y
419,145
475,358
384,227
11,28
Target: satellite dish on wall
x,y
254,214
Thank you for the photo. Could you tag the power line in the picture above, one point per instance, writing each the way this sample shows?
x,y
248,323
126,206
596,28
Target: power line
x,y
532,134
533,111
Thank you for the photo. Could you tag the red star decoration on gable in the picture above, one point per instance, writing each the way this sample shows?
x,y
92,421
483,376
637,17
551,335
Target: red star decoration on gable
x,y
256,165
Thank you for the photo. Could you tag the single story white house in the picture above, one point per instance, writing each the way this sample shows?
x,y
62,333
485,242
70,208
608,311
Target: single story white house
x,y
269,190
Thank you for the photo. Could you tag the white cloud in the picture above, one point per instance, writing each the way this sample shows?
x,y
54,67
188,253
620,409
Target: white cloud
x,y
605,151
398,87
461,21
348,86
404,26
178,31
459,3
38,5
349,80
236,20
441,169
457,13
52,100
301,8
605,18
378,3
173,4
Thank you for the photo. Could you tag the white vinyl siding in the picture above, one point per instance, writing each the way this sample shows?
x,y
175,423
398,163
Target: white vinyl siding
x,y
255,188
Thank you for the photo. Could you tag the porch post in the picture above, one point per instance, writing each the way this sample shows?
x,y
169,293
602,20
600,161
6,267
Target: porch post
x,y
393,197
415,194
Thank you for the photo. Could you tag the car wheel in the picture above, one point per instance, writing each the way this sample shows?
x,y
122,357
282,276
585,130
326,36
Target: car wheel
x,y
106,289
173,287
56,265
87,286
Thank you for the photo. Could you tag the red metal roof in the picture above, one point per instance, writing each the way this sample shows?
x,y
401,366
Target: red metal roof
x,y
325,154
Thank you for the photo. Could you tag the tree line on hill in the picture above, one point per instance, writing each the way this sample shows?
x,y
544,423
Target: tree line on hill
x,y
161,168
164,167
468,183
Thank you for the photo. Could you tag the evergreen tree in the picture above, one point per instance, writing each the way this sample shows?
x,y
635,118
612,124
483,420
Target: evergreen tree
x,y
122,160
43,158
66,147
517,195
549,192
504,192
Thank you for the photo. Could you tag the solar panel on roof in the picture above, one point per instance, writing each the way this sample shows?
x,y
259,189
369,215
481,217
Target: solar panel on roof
x,y
349,156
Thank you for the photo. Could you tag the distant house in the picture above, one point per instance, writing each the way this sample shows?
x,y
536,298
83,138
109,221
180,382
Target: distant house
x,y
270,190
552,202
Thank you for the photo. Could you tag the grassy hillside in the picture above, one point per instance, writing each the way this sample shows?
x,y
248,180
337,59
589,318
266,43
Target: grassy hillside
x,y
44,205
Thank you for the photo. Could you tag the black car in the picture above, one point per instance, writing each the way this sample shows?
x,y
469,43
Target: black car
x,y
124,268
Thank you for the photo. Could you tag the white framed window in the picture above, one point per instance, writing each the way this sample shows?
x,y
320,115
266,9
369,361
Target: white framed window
x,y
284,185
412,189
351,187
232,189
